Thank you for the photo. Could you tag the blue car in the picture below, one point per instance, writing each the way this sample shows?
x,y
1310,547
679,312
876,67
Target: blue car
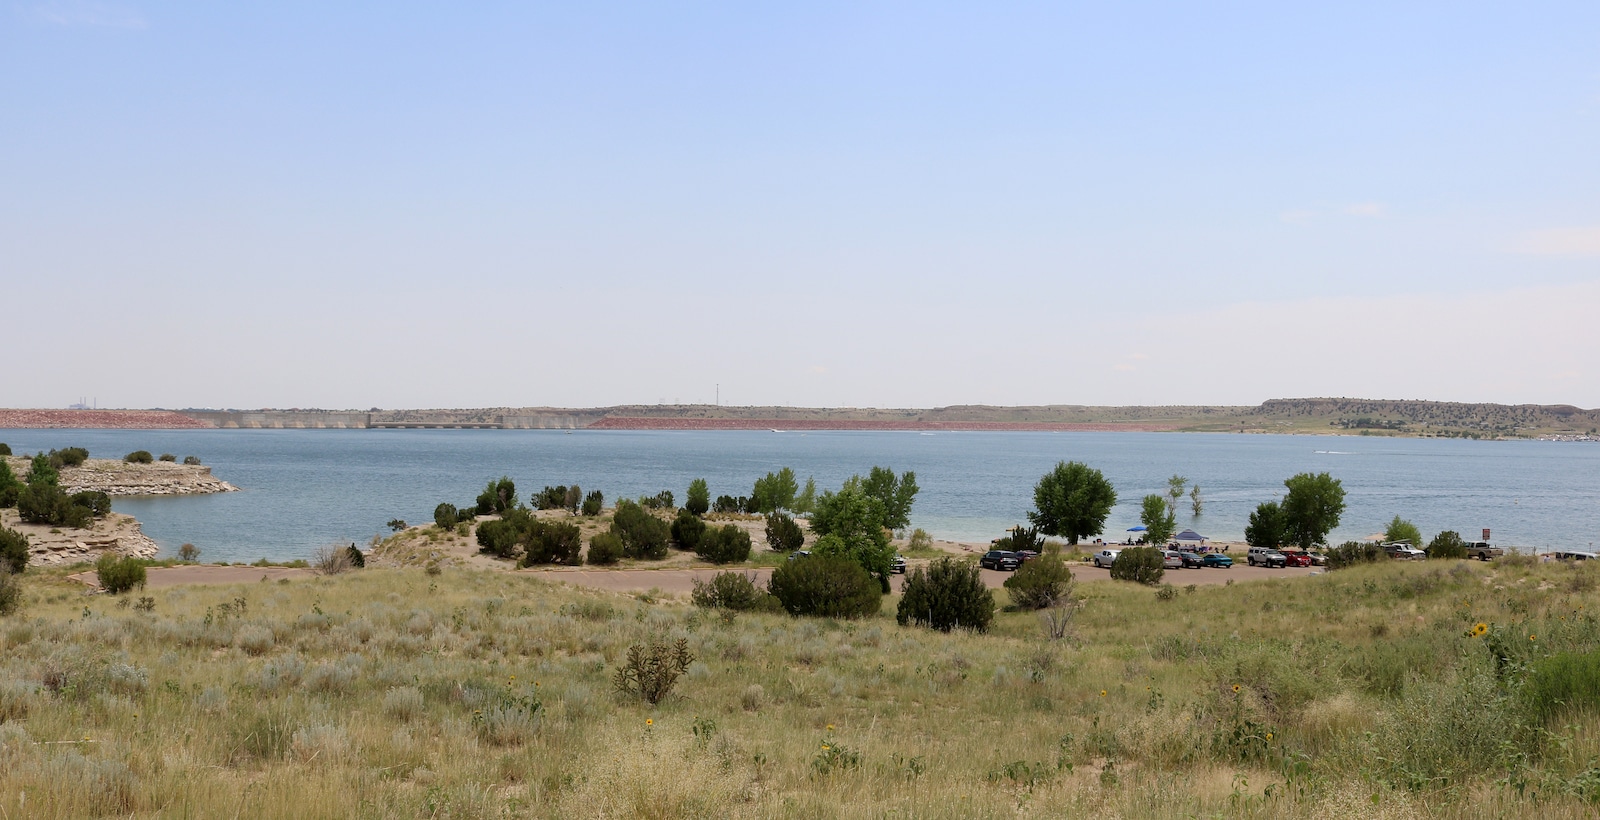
x,y
1217,559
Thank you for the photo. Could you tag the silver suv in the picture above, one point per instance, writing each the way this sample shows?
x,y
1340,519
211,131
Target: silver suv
x,y
1266,557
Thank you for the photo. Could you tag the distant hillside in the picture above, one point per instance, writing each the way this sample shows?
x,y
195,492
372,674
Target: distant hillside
x,y
1310,415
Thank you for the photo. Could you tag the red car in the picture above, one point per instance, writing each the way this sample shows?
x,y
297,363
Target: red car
x,y
1297,559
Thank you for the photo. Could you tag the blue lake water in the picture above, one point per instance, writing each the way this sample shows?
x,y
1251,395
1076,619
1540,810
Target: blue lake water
x,y
307,488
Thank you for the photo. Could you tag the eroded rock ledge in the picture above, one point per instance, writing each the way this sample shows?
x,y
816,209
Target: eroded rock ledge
x,y
121,478
51,546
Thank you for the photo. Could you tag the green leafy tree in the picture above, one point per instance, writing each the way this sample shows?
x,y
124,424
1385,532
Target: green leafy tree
x,y
1072,501
1400,529
1447,544
1041,583
825,585
1144,565
1194,500
573,499
948,594
773,492
849,523
784,533
727,544
1158,520
1267,527
10,486
13,551
699,500
1312,508
1016,539
806,501
896,493
1175,489
5,449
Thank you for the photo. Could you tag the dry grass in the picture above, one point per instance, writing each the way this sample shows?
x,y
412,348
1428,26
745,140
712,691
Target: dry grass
x,y
389,692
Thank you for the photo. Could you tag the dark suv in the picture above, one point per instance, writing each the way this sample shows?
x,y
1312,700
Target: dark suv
x,y
999,559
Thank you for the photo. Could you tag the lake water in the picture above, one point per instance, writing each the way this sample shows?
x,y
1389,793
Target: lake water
x,y
307,488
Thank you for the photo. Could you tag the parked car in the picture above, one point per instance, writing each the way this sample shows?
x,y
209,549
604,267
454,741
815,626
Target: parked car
x,y
1172,559
1004,560
1024,556
1266,557
897,564
1297,559
799,554
1318,559
1192,559
1401,551
1217,559
1105,558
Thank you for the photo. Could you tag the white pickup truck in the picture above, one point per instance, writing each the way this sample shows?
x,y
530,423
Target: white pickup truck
x,y
1482,551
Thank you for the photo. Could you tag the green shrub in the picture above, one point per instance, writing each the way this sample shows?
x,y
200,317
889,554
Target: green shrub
x,y
444,516
1351,553
97,503
10,486
727,544
1447,544
605,548
699,500
45,503
825,585
68,457
593,503
5,449
13,550
643,535
192,461
732,590
119,574
189,553
139,457
497,497
465,514
169,457
503,538
784,533
358,559
10,595
1043,582
1144,565
396,524
551,498
948,594
687,530
573,499
552,542
920,540
659,501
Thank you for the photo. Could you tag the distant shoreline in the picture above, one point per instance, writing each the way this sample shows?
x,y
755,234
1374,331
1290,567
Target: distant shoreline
x,y
1318,416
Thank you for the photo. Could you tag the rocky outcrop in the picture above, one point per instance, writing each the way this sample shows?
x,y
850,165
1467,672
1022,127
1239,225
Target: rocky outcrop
x,y
121,478
52,546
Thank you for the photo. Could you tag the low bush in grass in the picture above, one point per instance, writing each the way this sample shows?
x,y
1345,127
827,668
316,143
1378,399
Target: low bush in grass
x,y
139,457
118,574
10,594
68,457
947,594
1144,565
1041,583
784,533
331,560
1352,553
687,530
727,544
605,548
826,585
732,590
593,503
1563,685
168,457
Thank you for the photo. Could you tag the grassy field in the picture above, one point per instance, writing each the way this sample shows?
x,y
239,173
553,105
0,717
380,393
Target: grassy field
x,y
1367,692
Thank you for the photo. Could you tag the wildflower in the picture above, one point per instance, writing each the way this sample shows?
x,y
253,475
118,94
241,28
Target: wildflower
x,y
1236,689
1269,736
830,727
649,721
1102,693
1479,629
1530,637
824,747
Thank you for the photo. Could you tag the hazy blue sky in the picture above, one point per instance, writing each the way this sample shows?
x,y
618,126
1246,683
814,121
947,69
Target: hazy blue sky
x,y
873,204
